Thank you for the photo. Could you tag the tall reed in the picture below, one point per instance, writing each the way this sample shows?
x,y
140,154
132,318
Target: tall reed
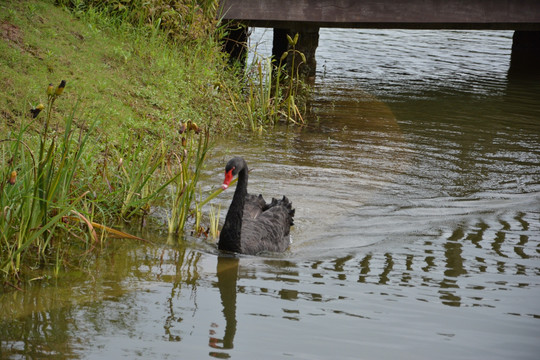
x,y
195,146
214,221
274,88
45,186
139,176
39,191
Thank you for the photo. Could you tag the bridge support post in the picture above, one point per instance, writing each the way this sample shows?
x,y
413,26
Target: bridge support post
x,y
280,44
525,58
308,40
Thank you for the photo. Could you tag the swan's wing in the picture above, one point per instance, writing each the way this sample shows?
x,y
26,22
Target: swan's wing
x,y
254,206
270,230
286,206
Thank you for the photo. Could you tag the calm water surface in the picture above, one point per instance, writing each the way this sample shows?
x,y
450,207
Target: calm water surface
x,y
417,195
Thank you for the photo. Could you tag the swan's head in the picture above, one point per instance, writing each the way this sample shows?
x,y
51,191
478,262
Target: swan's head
x,y
234,166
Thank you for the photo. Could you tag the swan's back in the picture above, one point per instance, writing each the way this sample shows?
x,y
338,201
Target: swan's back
x,y
269,230
254,206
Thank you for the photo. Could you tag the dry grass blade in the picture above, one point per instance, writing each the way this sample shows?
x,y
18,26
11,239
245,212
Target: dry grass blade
x,y
88,223
92,225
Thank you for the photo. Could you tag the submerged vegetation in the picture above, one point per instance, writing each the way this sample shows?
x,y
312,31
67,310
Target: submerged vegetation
x,y
130,127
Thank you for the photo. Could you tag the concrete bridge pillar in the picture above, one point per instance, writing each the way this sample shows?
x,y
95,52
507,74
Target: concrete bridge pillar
x,y
235,44
525,58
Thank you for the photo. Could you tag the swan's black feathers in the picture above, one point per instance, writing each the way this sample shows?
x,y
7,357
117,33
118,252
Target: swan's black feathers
x,y
253,226
270,230
254,206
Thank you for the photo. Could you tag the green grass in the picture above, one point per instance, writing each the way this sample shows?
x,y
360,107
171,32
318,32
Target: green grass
x,y
129,80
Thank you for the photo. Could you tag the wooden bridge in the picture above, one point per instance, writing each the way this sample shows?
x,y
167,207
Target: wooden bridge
x,y
409,14
307,16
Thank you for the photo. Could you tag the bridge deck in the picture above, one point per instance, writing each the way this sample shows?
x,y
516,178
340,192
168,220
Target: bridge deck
x,y
412,14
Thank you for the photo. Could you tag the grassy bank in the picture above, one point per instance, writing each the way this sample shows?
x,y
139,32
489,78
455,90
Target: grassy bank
x,y
131,127
132,80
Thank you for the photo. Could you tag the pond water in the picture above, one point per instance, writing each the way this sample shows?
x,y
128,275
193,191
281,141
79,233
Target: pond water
x,y
417,228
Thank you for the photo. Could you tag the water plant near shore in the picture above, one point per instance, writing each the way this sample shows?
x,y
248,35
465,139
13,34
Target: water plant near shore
x,y
274,89
63,176
52,198
195,146
36,203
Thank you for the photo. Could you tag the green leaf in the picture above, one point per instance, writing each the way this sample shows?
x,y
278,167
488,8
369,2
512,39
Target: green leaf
x,y
295,39
290,40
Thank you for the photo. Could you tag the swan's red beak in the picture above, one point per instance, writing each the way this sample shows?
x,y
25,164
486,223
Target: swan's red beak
x,y
228,179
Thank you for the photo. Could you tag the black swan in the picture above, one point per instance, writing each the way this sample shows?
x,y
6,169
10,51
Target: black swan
x,y
251,225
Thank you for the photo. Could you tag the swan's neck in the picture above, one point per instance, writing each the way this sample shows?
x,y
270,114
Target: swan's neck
x,y
229,239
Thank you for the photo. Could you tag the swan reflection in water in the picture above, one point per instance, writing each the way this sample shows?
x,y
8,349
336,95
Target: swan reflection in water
x,y
227,275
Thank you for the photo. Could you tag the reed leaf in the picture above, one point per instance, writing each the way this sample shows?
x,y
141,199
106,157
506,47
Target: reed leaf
x,y
185,184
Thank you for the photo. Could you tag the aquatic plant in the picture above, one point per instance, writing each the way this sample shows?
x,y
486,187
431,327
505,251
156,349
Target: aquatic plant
x,y
274,88
214,221
294,81
195,146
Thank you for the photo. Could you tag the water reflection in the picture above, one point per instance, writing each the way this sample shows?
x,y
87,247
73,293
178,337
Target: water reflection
x,y
227,275
185,276
459,269
43,333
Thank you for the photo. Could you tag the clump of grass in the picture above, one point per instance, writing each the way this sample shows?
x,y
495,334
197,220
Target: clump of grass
x,y
181,20
292,82
214,221
195,146
40,191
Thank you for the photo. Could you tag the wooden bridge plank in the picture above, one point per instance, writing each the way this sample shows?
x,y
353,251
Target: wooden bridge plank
x,y
437,14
